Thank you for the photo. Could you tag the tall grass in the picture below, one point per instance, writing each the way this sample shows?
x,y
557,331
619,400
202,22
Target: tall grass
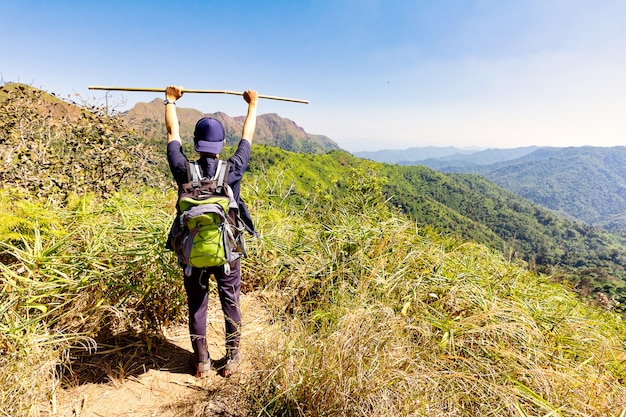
x,y
371,315
377,317
71,274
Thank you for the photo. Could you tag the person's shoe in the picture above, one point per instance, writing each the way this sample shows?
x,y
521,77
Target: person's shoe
x,y
204,368
227,366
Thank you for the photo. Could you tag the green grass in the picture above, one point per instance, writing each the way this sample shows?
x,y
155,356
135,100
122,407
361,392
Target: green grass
x,y
378,317
69,275
372,315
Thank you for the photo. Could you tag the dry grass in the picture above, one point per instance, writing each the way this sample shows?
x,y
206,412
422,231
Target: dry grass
x,y
72,277
379,318
370,316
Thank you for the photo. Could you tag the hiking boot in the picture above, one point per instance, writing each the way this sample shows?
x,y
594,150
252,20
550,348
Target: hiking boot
x,y
203,368
227,366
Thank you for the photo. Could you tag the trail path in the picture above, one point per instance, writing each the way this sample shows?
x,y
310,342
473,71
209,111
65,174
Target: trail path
x,y
166,387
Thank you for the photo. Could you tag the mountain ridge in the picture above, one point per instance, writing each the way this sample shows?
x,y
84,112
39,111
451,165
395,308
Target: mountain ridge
x,y
415,153
585,183
271,129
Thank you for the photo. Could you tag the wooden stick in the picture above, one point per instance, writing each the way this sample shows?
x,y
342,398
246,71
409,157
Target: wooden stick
x,y
162,90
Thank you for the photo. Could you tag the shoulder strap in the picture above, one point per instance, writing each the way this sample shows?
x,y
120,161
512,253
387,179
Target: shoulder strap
x,y
194,171
220,174
217,170
189,169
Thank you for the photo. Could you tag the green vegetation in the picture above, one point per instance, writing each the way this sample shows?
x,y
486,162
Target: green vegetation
x,y
466,206
56,152
586,183
74,274
479,210
372,312
376,316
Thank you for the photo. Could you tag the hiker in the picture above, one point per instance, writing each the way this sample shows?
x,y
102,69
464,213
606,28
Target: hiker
x,y
209,139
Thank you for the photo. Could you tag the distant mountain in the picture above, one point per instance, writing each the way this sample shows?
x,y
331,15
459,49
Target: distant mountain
x,y
271,129
442,158
471,162
586,183
394,156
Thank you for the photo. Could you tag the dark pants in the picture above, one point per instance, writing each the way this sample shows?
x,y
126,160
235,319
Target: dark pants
x,y
229,288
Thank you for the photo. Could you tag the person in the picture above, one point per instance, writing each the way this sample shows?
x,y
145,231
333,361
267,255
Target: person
x,y
209,139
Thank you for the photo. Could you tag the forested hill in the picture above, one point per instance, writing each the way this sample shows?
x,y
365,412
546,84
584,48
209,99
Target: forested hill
x,y
584,183
469,206
271,128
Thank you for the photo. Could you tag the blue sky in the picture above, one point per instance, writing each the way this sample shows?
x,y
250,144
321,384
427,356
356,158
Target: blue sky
x,y
378,74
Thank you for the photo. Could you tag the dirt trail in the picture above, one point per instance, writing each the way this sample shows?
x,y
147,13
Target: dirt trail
x,y
165,387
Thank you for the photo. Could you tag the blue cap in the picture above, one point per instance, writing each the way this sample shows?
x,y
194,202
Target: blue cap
x,y
208,136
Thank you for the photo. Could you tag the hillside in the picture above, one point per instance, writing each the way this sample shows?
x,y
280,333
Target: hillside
x,y
467,206
584,183
271,128
587,184
71,149
51,106
351,307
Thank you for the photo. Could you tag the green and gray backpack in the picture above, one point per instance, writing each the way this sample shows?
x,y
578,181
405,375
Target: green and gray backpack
x,y
208,231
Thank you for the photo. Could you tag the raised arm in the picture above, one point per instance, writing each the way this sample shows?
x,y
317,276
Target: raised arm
x,y
172,93
249,125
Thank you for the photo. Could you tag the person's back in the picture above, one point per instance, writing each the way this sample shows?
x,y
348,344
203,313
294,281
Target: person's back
x,y
208,142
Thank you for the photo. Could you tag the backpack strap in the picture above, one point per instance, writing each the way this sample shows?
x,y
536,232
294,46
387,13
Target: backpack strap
x,y
220,174
194,175
217,170
194,171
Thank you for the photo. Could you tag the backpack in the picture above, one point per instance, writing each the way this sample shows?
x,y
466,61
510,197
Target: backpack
x,y
207,231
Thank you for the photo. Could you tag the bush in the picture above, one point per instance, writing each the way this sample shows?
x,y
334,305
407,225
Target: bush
x,y
54,149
